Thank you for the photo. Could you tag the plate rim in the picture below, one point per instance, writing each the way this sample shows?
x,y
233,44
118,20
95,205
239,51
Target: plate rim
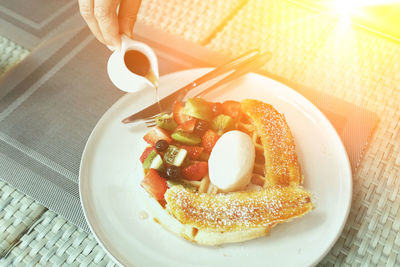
x,y
116,105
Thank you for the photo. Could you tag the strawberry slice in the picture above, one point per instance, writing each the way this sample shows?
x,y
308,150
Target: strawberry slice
x,y
146,152
209,139
195,171
157,134
216,108
193,152
154,184
178,115
187,126
231,108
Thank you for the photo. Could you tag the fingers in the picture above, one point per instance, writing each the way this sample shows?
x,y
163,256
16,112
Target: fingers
x,y
86,8
101,17
106,16
128,10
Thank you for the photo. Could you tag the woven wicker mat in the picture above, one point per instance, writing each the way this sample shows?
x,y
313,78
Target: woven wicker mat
x,y
360,68
10,54
17,211
55,242
194,20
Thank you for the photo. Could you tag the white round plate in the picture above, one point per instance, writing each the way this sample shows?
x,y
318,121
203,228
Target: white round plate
x,y
111,172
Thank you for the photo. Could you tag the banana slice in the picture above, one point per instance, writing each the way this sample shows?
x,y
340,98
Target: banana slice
x,y
281,164
237,210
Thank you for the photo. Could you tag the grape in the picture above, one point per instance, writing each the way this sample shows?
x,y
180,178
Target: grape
x,y
173,172
161,145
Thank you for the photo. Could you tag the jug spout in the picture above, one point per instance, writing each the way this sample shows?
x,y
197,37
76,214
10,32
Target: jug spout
x,y
134,67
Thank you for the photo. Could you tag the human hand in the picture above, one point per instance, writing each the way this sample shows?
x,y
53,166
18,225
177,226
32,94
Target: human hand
x,y
104,22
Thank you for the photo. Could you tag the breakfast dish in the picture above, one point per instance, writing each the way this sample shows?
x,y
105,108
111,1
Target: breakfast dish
x,y
222,172
113,200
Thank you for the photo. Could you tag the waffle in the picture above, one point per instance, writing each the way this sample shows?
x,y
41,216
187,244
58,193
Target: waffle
x,y
273,195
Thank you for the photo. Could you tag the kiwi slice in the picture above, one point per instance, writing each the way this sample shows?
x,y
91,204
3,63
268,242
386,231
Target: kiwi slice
x,y
175,156
153,161
223,123
166,122
186,138
198,108
188,186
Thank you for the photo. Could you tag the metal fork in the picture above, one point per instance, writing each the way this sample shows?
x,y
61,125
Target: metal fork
x,y
250,61
151,121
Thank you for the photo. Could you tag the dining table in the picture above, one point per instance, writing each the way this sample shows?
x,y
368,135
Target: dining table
x,y
54,89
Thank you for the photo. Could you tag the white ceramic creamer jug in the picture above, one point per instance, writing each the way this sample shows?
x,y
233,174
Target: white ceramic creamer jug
x,y
134,67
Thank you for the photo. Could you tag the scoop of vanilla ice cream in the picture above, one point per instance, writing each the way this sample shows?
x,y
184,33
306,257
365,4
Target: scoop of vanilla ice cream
x,y
231,161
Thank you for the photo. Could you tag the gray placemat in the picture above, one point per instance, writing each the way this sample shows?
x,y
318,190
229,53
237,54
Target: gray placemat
x,y
29,23
45,121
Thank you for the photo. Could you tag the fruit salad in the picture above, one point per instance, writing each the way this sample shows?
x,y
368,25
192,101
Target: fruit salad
x,y
180,145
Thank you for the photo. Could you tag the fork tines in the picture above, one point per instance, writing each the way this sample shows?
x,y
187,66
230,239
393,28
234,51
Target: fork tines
x,y
150,121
